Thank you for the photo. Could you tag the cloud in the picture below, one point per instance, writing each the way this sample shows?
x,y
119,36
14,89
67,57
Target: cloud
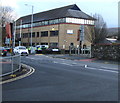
x,y
11,3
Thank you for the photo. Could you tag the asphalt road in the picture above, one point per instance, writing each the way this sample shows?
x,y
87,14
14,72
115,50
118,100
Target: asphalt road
x,y
58,79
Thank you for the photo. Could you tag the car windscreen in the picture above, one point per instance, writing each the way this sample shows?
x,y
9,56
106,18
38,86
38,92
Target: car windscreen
x,y
23,48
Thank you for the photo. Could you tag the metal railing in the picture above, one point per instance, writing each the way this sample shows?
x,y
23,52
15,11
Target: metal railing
x,y
9,65
80,51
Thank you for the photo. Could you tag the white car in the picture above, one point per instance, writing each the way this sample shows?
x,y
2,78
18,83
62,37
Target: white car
x,y
21,50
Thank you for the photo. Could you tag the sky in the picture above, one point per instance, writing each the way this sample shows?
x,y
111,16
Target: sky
x,y
108,9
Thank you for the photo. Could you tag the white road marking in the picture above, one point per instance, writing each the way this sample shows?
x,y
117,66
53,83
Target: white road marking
x,y
85,66
66,64
62,63
30,58
102,69
109,68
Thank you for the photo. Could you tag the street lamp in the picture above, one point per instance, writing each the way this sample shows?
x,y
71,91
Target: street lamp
x,y
31,23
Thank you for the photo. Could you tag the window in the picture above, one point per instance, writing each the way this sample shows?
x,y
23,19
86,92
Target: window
x,y
44,43
43,23
46,22
33,44
24,44
51,22
33,34
53,44
54,33
17,35
37,43
62,20
25,35
44,33
71,44
56,21
37,34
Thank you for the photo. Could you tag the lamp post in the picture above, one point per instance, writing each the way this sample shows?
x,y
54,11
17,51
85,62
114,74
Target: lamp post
x,y
31,23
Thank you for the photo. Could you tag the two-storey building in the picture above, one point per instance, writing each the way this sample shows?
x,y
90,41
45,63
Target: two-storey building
x,y
59,27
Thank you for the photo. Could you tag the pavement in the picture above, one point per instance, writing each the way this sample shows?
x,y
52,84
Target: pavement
x,y
23,72
83,58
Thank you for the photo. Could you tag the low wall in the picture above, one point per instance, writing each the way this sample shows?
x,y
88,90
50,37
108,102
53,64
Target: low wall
x,y
106,51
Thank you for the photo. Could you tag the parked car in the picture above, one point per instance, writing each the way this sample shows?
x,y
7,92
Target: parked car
x,y
40,48
53,50
7,48
3,51
22,50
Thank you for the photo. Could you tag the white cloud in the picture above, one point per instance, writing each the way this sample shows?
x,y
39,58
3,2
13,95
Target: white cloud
x,y
11,3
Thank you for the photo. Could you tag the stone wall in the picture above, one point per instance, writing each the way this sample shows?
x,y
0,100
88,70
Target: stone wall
x,y
106,51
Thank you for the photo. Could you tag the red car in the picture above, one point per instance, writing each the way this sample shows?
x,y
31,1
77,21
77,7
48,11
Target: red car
x,y
3,51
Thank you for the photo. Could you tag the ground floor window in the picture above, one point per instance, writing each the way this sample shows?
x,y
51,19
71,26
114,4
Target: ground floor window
x,y
53,44
37,43
44,43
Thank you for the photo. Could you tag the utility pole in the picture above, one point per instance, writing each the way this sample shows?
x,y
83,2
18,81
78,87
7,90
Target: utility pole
x,y
20,33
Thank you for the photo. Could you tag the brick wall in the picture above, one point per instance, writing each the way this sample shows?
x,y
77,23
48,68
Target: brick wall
x,y
109,52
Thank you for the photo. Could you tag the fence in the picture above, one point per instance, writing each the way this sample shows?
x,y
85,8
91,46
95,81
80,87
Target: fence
x,y
10,64
80,51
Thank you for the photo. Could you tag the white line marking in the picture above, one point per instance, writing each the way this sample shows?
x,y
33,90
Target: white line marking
x,y
62,63
109,68
66,64
102,70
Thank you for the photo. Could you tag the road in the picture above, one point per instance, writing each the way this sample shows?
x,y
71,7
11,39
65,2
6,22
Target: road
x,y
58,79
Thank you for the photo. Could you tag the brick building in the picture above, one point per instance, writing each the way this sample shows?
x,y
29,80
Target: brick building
x,y
60,27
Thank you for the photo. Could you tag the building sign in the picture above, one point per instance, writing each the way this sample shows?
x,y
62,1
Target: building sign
x,y
69,31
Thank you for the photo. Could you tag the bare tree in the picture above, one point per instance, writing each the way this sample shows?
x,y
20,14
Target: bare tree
x,y
97,33
6,15
100,29
89,34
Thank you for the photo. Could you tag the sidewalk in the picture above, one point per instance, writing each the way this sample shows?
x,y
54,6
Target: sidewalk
x,y
83,58
23,72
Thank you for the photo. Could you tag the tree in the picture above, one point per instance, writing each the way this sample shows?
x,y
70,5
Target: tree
x,y
6,16
100,30
97,33
90,34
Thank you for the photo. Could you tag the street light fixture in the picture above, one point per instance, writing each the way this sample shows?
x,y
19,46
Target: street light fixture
x,y
31,22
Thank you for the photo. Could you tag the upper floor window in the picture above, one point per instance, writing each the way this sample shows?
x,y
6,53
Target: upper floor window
x,y
62,20
54,33
44,33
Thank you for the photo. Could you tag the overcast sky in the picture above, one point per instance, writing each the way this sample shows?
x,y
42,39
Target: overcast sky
x,y
107,8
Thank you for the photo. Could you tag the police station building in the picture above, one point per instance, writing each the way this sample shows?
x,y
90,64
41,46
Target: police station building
x,y
59,27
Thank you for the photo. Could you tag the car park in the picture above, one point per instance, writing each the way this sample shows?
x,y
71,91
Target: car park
x,y
3,51
22,50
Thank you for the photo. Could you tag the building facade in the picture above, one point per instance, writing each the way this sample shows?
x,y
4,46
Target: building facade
x,y
61,27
